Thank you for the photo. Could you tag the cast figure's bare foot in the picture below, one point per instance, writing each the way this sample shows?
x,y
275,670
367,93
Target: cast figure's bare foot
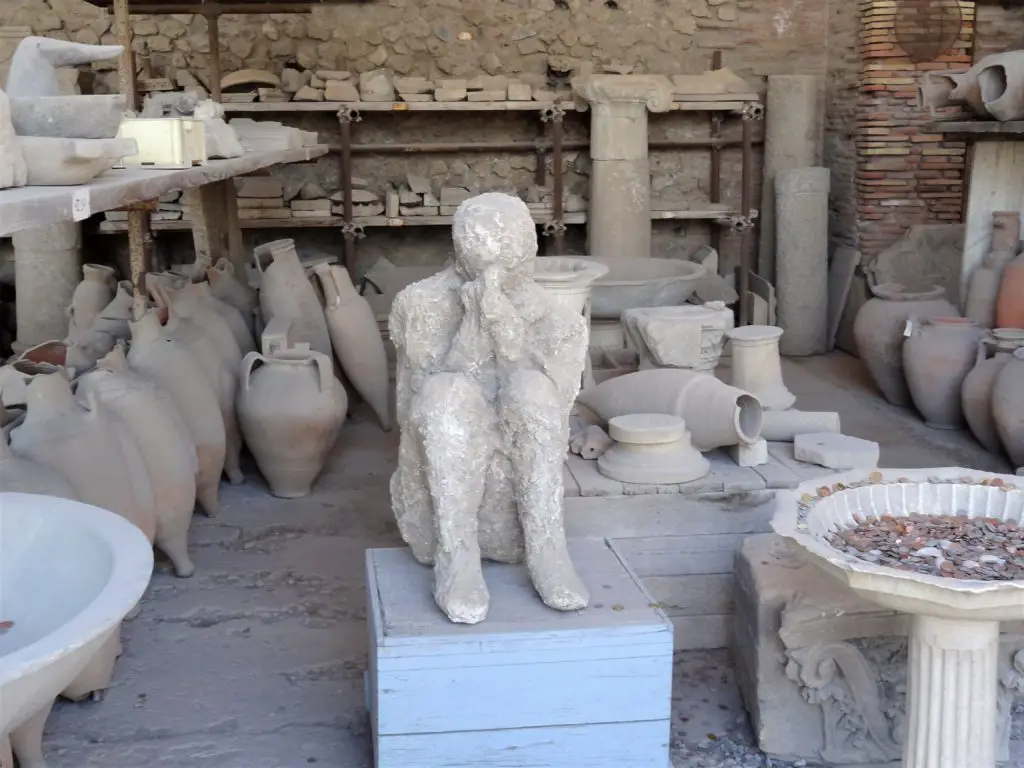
x,y
459,587
555,577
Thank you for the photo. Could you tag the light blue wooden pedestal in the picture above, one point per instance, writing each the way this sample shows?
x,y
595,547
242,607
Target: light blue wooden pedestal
x,y
527,688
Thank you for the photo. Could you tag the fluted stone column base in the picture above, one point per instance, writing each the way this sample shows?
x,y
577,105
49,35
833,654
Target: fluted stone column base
x,y
952,680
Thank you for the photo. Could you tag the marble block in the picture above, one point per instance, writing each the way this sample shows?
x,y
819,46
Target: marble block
x,y
823,674
583,689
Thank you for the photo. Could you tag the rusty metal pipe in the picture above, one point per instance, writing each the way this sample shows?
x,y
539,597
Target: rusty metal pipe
x,y
346,188
557,185
570,145
746,197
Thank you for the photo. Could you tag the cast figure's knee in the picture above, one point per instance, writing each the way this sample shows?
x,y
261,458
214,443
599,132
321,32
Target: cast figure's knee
x,y
447,397
531,397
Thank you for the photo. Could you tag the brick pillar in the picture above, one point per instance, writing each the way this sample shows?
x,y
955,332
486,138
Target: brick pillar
x,y
905,176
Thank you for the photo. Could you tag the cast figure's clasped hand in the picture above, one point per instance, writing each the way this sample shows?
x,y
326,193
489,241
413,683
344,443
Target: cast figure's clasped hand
x,y
488,369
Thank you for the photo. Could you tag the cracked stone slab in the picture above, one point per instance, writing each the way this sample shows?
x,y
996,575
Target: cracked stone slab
x,y
836,451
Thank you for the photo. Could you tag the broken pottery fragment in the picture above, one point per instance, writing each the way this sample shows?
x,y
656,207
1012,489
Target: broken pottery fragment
x,y
33,71
934,90
488,368
285,291
716,414
70,162
756,366
1001,82
69,117
169,364
783,426
149,415
249,77
1010,301
290,409
221,139
356,339
651,448
590,443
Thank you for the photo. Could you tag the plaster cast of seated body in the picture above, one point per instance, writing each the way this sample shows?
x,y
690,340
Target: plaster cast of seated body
x,y
488,369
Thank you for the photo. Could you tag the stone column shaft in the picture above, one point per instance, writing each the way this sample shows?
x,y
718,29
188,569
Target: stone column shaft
x,y
619,221
47,267
952,679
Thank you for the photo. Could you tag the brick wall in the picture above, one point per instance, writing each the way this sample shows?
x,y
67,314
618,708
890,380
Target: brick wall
x,y
905,175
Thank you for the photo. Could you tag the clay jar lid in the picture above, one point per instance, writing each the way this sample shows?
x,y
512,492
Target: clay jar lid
x,y
898,292
647,429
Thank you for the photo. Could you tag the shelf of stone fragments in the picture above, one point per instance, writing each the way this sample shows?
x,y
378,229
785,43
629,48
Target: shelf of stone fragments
x,y
782,471
464,106
541,217
26,207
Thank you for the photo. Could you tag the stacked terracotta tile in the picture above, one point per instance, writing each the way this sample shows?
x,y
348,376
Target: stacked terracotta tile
x,y
905,175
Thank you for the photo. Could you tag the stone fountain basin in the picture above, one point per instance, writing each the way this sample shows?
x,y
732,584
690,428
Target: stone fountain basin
x,y
70,573
633,282
69,117
806,515
568,280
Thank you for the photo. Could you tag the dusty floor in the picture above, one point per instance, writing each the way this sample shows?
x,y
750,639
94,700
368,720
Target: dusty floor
x,y
257,661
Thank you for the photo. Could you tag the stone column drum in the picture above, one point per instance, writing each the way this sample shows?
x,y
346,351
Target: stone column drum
x,y
792,139
619,219
47,267
801,210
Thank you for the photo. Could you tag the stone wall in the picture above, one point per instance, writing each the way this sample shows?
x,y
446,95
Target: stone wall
x,y
905,175
998,29
437,38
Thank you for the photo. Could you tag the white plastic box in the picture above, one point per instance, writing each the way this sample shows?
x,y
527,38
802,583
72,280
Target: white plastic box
x,y
164,142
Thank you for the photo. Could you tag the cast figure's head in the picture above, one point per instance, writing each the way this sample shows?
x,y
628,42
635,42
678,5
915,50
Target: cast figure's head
x,y
494,229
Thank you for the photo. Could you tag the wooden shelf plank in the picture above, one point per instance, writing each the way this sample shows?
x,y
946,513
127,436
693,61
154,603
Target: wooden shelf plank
x,y
26,207
574,217
457,106
980,128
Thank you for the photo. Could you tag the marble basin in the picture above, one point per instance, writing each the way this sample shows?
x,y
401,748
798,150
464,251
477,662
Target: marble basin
x,y
954,636
70,573
633,282
568,279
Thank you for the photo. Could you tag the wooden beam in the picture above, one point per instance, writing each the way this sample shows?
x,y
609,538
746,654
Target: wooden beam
x,y
194,6
213,65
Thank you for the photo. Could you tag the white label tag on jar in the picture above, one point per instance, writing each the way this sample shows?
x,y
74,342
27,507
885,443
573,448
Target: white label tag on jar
x,y
908,329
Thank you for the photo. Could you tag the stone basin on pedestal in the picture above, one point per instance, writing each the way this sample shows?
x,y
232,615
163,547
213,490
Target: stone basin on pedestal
x,y
954,637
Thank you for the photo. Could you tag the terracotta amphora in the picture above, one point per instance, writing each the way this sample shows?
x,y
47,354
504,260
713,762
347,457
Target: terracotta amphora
x,y
290,407
1010,304
285,291
217,355
968,91
716,414
231,317
983,288
166,448
937,357
227,287
18,475
934,89
91,295
879,327
1008,407
356,339
88,447
175,370
976,398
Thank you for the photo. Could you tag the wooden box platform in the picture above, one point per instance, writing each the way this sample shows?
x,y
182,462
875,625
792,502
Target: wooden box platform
x,y
681,540
527,688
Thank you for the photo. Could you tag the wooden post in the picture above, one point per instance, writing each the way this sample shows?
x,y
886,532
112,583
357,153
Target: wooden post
x,y
126,64
140,243
213,65
215,226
